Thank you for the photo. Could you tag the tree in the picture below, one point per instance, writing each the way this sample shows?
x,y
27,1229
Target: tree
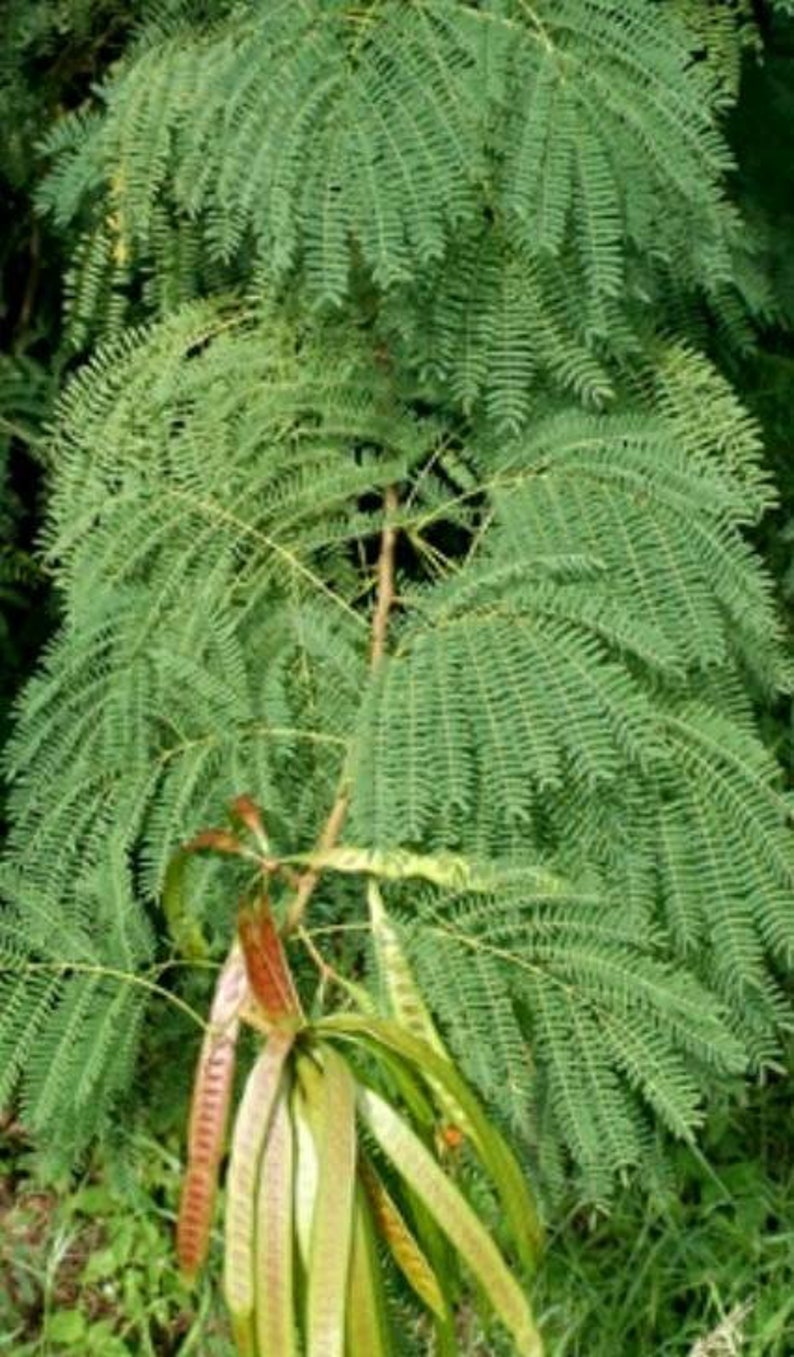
x,y
441,274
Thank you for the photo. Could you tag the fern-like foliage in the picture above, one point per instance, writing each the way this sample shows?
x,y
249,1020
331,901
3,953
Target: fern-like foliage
x,y
462,230
554,696
320,140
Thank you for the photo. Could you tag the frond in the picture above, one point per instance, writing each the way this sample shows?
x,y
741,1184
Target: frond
x,y
72,1005
563,972
326,137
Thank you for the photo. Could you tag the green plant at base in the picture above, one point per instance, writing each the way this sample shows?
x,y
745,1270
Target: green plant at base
x,y
300,1183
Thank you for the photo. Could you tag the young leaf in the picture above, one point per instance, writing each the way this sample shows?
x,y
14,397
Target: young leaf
x,y
456,1218
208,1114
263,1092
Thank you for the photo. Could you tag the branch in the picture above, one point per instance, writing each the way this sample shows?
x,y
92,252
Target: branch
x,y
385,599
380,624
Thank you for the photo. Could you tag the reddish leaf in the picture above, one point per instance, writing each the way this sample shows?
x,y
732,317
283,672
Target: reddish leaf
x,y
268,972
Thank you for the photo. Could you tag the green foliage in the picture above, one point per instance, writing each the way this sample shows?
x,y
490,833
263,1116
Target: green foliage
x,y
662,1272
87,1267
502,171
457,255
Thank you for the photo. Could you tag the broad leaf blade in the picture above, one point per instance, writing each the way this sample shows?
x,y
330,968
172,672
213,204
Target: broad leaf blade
x,y
263,1091
456,1218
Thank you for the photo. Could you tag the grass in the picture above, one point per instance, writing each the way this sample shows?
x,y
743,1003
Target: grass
x,y
703,1266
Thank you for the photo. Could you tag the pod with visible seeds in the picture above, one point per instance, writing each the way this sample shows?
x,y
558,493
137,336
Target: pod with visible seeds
x,y
208,1114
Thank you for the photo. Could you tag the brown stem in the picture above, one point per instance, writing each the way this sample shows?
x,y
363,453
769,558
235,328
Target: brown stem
x,y
380,624
385,598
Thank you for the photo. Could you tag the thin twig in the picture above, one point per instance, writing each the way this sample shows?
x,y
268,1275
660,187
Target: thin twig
x,y
388,542
380,624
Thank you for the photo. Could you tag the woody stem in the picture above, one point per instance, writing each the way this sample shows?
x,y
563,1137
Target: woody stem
x,y
384,602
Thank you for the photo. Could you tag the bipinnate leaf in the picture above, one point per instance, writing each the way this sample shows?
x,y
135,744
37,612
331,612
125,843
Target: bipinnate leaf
x,y
400,1242
520,1211
263,1093
332,1110
368,1327
268,972
416,1165
209,1112
275,1239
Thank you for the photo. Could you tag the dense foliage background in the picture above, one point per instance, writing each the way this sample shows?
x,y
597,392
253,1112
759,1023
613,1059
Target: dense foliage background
x,y
85,1262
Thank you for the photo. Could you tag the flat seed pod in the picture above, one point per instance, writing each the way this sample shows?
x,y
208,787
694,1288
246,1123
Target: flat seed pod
x,y
268,972
306,1172
367,1323
332,1226
497,1158
263,1092
455,1217
405,997
275,1239
401,1243
209,1113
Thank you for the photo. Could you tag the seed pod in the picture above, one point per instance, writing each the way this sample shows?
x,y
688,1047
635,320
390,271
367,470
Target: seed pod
x,y
208,1114
252,1127
268,972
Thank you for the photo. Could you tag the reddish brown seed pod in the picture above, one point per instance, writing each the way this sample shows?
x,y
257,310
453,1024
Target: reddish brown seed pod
x,y
209,1112
268,971
246,811
216,841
